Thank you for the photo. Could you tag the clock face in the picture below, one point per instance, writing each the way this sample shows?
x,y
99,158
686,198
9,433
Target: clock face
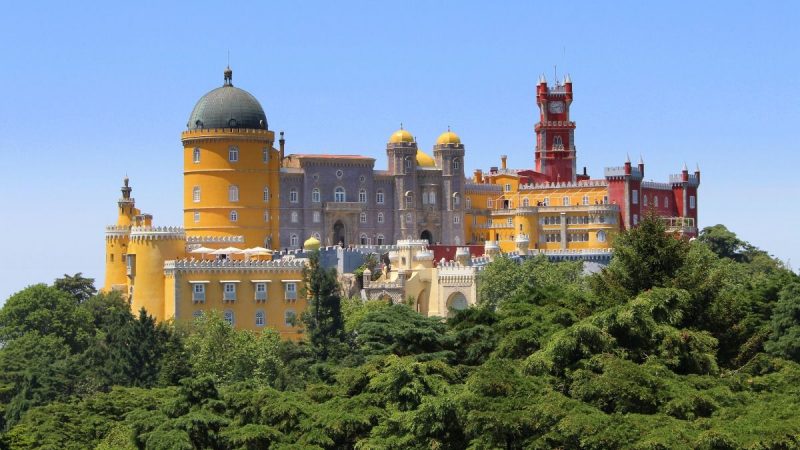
x,y
556,107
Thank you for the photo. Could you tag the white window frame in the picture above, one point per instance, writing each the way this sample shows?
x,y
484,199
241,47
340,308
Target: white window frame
x,y
507,187
379,197
233,216
294,241
233,153
380,217
666,202
260,291
565,200
456,220
294,217
644,199
316,216
380,239
229,317
468,203
655,201
294,197
432,197
692,202
362,217
290,290
636,219
266,215
585,199
265,194
362,196
228,291
408,163
233,193
261,318
635,196
456,164
198,292
364,239
196,194
339,195
196,155
289,316
315,195
265,155
196,216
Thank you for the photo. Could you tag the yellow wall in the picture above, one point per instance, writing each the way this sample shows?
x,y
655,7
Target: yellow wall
x,y
245,305
214,174
149,280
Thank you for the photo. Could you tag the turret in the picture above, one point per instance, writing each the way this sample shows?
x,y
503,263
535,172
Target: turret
x,y
685,173
491,249
641,166
117,240
463,256
628,165
522,242
697,173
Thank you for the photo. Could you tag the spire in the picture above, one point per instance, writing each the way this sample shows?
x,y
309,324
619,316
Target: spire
x,y
697,167
628,158
126,189
228,74
685,167
567,79
641,160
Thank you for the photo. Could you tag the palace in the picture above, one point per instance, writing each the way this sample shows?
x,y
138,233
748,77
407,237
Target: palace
x,y
245,199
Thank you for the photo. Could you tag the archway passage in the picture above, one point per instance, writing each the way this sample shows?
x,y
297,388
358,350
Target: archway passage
x,y
338,233
426,235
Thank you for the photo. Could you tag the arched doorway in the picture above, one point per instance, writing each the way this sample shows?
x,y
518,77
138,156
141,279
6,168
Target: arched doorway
x,y
426,235
338,233
456,302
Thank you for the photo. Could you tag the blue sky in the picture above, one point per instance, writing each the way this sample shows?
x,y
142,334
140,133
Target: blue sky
x,y
95,91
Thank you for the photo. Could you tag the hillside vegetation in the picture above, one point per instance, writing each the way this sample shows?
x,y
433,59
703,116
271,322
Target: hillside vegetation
x,y
675,344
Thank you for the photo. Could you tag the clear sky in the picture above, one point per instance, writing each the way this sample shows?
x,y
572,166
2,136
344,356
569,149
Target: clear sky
x,y
94,91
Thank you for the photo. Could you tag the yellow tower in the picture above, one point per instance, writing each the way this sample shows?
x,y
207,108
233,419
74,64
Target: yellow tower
x,y
149,248
231,172
117,240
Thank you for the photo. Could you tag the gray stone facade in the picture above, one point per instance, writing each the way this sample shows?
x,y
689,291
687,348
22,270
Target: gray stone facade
x,y
342,199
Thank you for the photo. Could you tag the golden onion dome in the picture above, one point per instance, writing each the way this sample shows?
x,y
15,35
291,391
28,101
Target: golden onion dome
x,y
448,137
425,160
311,244
401,136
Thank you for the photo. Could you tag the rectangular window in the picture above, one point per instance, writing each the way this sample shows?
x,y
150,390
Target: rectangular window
x,y
233,154
196,216
362,196
265,154
635,197
565,201
259,318
316,216
636,219
289,318
229,293
196,194
510,221
379,198
605,199
508,187
692,203
291,291
363,217
261,292
198,292
293,196
380,217
228,317
196,156
585,199
456,219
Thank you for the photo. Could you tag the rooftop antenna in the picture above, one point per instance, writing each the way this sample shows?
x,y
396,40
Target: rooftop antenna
x,y
229,57
555,73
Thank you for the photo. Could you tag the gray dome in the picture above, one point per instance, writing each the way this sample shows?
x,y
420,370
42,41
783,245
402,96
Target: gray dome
x,y
227,107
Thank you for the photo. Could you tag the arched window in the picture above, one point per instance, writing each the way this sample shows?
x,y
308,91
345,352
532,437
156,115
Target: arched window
x,y
565,201
293,197
363,217
266,216
380,239
196,216
196,155
456,199
294,241
228,317
408,218
363,239
362,196
315,197
557,142
469,203
266,194
233,193
234,216
666,202
655,201
456,219
456,164
490,203
644,199
585,199
379,198
289,317
294,216
525,202
233,154
196,194
260,318
546,201
380,217
339,195
410,200
408,163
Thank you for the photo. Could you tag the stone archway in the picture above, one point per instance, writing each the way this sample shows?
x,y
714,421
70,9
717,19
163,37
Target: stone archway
x,y
427,236
339,233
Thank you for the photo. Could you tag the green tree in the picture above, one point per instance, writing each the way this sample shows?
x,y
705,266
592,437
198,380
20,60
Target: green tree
x,y
77,285
46,311
785,338
323,318
401,331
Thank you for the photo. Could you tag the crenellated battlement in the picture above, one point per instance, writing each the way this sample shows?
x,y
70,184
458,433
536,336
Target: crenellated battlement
x,y
214,239
564,184
157,233
230,265
117,231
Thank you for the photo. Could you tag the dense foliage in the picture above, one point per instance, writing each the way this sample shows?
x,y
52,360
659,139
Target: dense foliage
x,y
675,344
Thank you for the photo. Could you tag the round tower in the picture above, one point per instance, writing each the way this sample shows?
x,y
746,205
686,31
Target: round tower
x,y
149,248
463,256
231,177
449,154
522,242
117,240
491,249
403,159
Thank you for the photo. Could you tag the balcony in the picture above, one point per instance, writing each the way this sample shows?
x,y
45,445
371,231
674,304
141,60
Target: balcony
x,y
261,296
198,297
681,225
590,209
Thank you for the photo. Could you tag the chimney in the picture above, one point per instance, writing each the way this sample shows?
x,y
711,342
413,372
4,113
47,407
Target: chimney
x,y
641,165
628,166
503,159
478,176
282,143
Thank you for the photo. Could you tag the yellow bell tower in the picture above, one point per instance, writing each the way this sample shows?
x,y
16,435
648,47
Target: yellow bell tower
x,y
231,178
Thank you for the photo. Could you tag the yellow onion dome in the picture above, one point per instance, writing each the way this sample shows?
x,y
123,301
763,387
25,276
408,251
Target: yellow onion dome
x,y
311,244
448,137
425,160
401,136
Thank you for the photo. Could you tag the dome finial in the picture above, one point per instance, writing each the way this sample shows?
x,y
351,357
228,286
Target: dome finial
x,y
401,125
228,76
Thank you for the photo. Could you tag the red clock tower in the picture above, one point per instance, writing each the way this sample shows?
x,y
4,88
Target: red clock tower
x,y
555,133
